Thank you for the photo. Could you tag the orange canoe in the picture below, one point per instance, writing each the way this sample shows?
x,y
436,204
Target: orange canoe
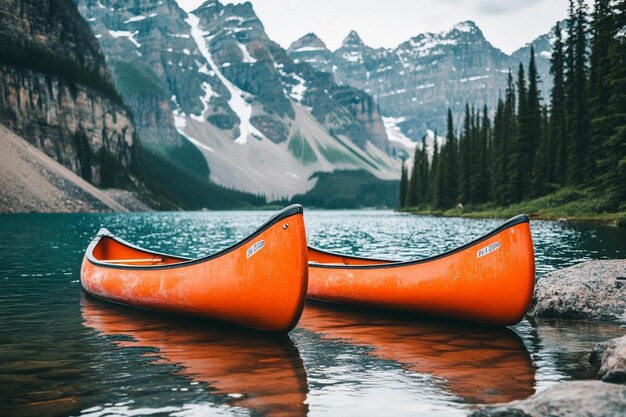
x,y
489,280
259,282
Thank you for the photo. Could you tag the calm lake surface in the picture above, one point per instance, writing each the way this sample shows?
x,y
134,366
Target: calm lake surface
x,y
62,353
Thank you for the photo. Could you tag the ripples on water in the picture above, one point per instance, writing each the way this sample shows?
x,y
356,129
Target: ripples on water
x,y
62,353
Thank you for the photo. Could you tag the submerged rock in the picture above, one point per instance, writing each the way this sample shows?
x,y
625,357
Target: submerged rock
x,y
572,399
592,290
610,356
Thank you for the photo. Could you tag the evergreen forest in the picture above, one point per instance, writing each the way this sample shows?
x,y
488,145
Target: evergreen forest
x,y
527,148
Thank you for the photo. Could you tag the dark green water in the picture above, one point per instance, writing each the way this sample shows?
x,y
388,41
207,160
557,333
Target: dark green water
x,y
62,353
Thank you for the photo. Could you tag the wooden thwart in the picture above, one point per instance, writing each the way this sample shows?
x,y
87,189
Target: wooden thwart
x,y
130,261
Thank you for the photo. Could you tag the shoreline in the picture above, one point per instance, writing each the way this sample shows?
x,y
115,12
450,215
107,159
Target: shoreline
x,y
610,219
566,204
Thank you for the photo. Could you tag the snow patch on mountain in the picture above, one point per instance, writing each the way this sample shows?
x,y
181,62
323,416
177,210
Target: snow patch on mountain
x,y
465,27
298,90
394,133
237,101
309,49
208,93
125,34
179,35
475,78
247,58
139,18
353,56
180,123
426,45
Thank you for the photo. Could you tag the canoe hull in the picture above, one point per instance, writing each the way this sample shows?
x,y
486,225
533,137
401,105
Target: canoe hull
x,y
488,281
259,283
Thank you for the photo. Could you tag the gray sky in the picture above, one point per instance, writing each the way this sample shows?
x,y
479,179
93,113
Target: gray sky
x,y
507,24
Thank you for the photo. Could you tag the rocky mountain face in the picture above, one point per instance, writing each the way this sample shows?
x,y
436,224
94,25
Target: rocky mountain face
x,y
416,82
312,50
263,122
56,92
543,53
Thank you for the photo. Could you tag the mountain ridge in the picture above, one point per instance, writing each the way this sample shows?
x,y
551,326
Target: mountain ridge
x,y
417,80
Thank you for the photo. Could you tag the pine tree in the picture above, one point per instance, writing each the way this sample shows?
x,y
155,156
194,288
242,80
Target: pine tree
x,y
424,168
557,111
404,185
412,196
578,124
517,163
464,158
484,160
603,31
474,162
613,163
498,157
434,194
570,88
509,134
543,158
532,142
451,172
479,176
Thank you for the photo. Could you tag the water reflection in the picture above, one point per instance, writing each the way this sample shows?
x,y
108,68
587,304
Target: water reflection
x,y
357,363
564,346
258,372
479,364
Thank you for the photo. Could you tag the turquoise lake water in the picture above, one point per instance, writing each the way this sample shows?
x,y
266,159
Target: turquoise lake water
x,y
62,353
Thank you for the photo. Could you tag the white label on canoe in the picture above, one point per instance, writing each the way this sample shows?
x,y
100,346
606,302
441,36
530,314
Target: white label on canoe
x,y
255,248
487,249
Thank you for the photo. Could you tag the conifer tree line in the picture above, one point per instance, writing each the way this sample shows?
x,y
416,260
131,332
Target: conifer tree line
x,y
530,148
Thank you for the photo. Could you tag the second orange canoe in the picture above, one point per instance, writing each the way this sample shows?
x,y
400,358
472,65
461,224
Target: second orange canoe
x,y
489,280
259,282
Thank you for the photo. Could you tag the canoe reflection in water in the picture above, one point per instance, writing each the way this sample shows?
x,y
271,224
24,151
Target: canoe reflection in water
x,y
478,364
264,373
482,365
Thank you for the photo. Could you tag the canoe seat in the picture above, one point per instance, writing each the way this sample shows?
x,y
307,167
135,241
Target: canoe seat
x,y
132,261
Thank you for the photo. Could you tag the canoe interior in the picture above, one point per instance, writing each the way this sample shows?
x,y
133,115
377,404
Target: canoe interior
x,y
109,250
321,257
318,257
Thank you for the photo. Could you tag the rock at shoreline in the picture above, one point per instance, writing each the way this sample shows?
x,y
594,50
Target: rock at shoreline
x,y
572,399
591,290
610,356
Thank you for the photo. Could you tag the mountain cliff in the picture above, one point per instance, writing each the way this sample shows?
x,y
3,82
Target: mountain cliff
x,y
56,92
416,82
264,123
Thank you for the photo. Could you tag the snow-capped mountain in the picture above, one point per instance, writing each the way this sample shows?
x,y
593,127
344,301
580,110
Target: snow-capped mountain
x,y
416,82
263,122
312,50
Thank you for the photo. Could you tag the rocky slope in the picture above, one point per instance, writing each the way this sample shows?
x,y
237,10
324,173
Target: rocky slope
x,y
31,181
264,123
56,92
416,82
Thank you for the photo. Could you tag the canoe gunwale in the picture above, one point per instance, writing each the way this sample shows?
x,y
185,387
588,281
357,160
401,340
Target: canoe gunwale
x,y
276,218
514,221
